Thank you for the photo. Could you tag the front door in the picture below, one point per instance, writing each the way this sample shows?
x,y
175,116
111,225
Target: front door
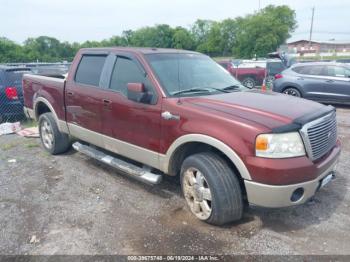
x,y
132,128
337,86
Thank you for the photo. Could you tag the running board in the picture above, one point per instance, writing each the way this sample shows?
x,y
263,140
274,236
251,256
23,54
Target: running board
x,y
140,174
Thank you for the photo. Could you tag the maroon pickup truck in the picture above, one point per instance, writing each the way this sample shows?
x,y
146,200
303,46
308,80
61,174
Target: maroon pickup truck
x,y
153,112
250,77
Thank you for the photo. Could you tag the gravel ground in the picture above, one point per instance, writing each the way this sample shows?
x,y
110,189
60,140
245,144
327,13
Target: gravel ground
x,y
71,204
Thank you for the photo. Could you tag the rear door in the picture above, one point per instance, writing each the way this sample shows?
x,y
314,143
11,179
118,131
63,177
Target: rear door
x,y
337,85
84,97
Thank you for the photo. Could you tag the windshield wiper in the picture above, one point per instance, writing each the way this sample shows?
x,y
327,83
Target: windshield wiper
x,y
191,90
231,87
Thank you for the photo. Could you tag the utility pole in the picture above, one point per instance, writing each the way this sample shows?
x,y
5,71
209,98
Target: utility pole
x,y
259,4
312,24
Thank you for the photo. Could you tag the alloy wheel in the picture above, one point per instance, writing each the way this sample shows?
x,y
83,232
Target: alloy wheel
x,y
46,134
197,193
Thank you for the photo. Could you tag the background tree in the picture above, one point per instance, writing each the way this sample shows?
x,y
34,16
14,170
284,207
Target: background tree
x,y
183,39
242,37
264,31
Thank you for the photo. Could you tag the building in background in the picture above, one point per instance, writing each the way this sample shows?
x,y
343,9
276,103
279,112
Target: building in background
x,y
323,48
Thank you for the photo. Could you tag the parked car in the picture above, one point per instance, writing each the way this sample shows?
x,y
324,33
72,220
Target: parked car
x,y
344,60
250,76
11,95
152,112
324,82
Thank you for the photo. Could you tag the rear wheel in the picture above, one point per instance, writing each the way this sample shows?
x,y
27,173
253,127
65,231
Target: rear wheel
x,y
52,139
292,92
248,82
211,189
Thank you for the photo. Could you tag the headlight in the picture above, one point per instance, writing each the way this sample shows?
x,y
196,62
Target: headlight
x,y
279,145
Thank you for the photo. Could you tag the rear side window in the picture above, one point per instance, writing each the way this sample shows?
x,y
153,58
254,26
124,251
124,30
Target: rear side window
x,y
298,69
309,70
90,69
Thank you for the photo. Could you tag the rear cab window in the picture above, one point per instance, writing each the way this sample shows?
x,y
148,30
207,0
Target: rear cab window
x,y
90,69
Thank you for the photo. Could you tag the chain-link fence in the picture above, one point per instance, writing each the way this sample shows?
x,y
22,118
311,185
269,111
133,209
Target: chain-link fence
x,y
11,92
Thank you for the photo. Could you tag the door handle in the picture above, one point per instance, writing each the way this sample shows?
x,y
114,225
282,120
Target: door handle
x,y
329,81
300,78
169,116
107,103
69,93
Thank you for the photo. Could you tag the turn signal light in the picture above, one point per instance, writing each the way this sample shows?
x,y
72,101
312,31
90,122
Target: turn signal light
x,y
261,143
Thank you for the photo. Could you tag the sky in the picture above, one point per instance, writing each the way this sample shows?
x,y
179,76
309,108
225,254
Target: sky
x,y
81,20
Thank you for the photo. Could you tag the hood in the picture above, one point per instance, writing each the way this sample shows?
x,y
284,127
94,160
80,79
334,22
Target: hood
x,y
269,109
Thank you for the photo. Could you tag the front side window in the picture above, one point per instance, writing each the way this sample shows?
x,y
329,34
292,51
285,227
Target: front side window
x,y
90,69
127,71
337,71
184,74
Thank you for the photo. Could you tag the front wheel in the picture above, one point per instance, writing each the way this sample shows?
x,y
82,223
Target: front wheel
x,y
292,92
211,189
52,139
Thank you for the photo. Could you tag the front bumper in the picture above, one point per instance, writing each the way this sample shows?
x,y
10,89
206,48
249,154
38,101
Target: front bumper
x,y
274,196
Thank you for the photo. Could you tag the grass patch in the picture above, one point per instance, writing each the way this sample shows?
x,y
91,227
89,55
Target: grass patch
x,y
8,146
28,123
31,145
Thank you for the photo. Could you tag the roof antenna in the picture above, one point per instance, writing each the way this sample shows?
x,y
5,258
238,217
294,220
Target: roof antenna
x,y
179,102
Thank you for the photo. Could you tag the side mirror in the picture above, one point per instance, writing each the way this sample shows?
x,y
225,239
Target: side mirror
x,y
137,92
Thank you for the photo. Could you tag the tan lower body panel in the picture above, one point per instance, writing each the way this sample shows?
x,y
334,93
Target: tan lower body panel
x,y
125,149
280,195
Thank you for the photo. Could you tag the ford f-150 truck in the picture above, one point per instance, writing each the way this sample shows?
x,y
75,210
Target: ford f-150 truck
x,y
154,112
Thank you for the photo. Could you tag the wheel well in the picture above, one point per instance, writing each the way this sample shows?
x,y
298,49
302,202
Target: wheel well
x,y
292,87
191,148
41,108
248,76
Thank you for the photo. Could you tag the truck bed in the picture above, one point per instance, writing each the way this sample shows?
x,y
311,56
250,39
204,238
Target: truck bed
x,y
38,87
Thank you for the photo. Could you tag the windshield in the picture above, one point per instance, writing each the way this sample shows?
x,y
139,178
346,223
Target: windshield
x,y
191,74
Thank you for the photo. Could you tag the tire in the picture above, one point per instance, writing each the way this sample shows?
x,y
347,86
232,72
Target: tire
x,y
249,82
225,194
292,92
51,138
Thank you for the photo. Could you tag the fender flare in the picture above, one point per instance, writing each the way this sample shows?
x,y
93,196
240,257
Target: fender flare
x,y
219,145
47,103
62,125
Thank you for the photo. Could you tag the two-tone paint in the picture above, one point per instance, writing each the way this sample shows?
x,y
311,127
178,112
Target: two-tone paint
x,y
227,122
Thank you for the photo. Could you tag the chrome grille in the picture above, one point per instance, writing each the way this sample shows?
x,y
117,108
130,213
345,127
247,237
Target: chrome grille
x,y
320,136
